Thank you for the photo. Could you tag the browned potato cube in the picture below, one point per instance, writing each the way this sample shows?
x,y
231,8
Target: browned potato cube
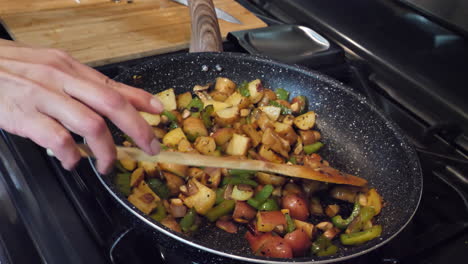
x,y
177,169
238,145
128,164
218,96
272,112
255,136
144,198
137,176
286,131
205,145
238,100
227,116
186,146
150,168
151,119
196,173
276,143
269,155
264,121
173,137
309,137
183,100
225,85
305,121
173,182
268,178
288,119
332,210
270,95
194,127
159,132
256,91
167,98
223,135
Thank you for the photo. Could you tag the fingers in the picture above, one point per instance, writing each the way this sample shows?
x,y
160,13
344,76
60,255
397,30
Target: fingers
x,y
102,99
30,110
81,120
112,104
62,93
48,133
47,57
140,99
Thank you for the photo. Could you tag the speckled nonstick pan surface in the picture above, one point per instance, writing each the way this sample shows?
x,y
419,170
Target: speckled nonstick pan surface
x,y
358,139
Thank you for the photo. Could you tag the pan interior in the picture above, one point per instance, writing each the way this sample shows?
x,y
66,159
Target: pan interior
x,y
359,140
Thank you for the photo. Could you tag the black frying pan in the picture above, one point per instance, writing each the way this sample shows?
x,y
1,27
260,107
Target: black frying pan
x,y
359,140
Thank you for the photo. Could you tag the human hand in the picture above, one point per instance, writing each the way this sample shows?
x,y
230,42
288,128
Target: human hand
x,y
45,93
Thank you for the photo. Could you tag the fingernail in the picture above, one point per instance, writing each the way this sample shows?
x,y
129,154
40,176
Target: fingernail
x,y
156,104
155,147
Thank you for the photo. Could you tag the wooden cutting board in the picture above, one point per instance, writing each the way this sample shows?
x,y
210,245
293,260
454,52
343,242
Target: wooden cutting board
x,y
98,32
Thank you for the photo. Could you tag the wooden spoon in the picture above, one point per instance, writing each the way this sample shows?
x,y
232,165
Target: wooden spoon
x,y
323,174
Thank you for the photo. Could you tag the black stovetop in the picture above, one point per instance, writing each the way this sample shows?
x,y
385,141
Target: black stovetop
x,y
49,215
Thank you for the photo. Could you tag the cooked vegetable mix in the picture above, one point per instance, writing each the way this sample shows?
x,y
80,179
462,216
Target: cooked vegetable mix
x,y
285,217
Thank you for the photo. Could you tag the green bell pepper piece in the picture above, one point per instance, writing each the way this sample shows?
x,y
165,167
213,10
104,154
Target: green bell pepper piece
x,y
312,148
254,203
239,180
188,220
264,193
194,228
364,216
293,160
122,182
173,125
170,116
206,116
220,195
323,247
290,226
319,244
224,208
196,105
282,94
243,89
261,196
159,187
330,250
361,237
164,147
242,173
160,213
269,205
341,223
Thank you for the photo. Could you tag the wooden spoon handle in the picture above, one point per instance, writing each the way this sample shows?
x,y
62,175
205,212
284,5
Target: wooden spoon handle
x,y
205,28
324,174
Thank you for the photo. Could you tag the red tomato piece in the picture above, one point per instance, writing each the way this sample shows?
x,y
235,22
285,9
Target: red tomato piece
x,y
299,242
243,212
269,245
297,206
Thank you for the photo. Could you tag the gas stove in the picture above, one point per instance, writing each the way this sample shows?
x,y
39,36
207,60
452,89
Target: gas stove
x,y
49,215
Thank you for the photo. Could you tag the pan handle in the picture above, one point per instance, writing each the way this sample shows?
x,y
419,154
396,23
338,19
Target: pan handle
x,y
205,28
